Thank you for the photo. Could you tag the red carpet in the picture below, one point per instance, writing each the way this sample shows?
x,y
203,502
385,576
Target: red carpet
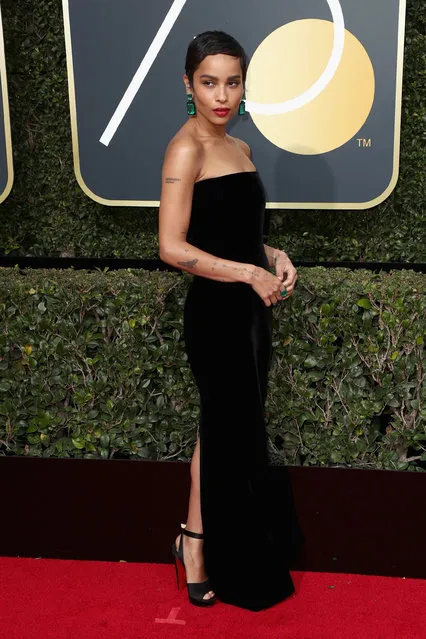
x,y
64,599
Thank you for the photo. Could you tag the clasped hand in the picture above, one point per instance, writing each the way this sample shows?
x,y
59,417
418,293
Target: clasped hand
x,y
269,286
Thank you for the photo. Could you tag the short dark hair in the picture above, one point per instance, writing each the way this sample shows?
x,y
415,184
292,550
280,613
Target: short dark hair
x,y
212,43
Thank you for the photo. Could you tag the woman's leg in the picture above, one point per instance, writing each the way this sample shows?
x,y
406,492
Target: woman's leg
x,y
194,521
193,548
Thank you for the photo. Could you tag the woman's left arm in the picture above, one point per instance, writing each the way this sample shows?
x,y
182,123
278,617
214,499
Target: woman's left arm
x,y
271,254
284,268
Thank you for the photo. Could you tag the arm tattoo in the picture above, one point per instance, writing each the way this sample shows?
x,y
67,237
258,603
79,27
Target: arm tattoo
x,y
171,180
189,264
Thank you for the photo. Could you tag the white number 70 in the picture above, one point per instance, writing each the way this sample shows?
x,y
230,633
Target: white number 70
x,y
253,107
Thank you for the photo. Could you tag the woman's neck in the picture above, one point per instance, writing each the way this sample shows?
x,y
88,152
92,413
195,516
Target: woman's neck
x,y
204,128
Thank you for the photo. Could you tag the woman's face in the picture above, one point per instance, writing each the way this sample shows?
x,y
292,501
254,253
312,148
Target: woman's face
x,y
217,84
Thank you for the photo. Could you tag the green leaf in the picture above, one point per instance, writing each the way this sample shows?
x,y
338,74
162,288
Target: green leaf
x,y
310,362
360,382
364,302
104,440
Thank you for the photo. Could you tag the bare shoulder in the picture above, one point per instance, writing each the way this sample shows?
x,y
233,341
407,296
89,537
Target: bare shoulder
x,y
183,151
243,145
182,162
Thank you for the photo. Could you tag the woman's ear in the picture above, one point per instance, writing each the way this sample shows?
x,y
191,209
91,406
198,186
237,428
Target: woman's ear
x,y
186,82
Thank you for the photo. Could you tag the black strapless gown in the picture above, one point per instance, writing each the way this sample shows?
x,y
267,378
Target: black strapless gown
x,y
251,532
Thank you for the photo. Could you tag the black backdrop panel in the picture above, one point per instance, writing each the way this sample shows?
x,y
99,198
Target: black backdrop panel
x,y
108,40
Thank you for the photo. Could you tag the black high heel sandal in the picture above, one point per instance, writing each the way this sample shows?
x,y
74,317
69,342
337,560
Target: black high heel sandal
x,y
196,591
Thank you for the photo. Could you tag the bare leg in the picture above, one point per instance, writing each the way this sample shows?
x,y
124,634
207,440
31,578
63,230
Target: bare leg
x,y
193,548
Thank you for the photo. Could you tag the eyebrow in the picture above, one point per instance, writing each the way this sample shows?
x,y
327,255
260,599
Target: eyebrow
x,y
231,77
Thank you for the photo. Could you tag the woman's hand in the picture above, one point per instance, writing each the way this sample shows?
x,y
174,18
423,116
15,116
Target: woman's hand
x,y
266,285
285,271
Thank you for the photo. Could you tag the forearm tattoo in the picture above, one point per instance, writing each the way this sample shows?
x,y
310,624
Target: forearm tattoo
x,y
252,273
189,263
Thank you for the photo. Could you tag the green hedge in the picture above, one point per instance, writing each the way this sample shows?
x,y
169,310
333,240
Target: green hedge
x,y
92,365
48,215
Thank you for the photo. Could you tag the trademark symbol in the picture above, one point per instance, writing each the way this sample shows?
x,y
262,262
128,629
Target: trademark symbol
x,y
364,143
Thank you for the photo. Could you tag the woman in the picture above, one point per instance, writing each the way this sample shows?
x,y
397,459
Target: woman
x,y
241,529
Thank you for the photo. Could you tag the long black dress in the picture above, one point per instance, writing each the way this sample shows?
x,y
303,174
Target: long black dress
x,y
250,526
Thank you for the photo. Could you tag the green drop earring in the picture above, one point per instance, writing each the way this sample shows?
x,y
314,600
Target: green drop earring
x,y
242,107
190,106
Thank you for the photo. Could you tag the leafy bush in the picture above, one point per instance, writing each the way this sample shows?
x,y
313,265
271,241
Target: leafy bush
x,y
92,364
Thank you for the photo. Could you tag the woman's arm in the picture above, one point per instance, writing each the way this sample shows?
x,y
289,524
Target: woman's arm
x,y
273,254
283,266
278,259
181,167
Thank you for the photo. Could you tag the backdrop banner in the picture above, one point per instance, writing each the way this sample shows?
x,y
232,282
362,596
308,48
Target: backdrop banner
x,y
323,92
6,157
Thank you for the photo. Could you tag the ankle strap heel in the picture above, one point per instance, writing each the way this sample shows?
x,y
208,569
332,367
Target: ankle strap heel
x,y
189,533
196,591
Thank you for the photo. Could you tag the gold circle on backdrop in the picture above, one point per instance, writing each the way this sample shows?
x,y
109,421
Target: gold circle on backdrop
x,y
287,63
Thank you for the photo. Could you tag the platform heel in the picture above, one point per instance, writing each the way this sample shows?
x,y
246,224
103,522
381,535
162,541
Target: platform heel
x,y
196,591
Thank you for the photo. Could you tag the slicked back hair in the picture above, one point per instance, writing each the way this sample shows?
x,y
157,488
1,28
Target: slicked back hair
x,y
212,43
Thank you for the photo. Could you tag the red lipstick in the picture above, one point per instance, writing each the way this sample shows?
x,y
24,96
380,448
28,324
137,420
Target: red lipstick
x,y
222,112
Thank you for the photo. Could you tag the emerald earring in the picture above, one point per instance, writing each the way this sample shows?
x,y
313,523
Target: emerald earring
x,y
190,106
242,107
